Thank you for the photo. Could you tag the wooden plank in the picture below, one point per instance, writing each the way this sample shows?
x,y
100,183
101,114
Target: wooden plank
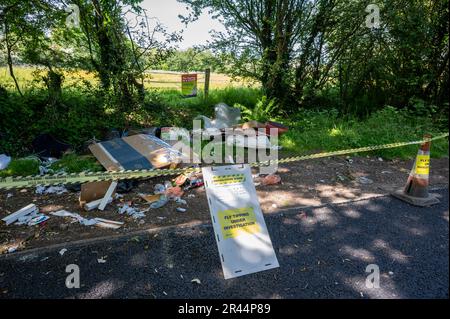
x,y
21,212
108,195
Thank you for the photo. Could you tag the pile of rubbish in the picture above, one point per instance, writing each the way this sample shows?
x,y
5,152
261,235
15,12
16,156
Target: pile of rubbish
x,y
151,148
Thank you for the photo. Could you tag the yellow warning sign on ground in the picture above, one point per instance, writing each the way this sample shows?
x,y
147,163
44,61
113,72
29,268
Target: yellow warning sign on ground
x,y
235,222
423,164
228,179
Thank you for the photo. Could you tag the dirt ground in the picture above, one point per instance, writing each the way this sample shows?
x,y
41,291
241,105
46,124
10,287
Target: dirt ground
x,y
307,183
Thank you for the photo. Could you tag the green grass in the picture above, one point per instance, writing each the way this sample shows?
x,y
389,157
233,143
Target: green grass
x,y
21,167
69,163
323,131
72,163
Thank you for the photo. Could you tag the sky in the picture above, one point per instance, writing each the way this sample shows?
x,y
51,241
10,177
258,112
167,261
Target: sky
x,y
167,12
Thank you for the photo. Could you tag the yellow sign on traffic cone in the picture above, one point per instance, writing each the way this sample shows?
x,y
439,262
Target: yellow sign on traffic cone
x,y
416,189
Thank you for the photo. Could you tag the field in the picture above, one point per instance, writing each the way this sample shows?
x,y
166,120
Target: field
x,y
30,77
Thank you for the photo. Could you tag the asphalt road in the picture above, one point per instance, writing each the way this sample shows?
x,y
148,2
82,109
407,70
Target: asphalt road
x,y
322,255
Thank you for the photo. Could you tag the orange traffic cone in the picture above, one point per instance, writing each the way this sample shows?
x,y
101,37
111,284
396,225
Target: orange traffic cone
x,y
416,189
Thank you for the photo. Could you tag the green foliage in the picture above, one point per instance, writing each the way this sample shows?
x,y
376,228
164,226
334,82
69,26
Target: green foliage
x,y
72,163
264,110
313,131
21,167
192,59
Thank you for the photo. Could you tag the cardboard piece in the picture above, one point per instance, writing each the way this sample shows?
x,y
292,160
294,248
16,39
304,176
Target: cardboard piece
x,y
91,192
241,234
135,152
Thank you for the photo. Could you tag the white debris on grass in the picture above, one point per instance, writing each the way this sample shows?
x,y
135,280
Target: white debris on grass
x,y
63,251
58,190
4,161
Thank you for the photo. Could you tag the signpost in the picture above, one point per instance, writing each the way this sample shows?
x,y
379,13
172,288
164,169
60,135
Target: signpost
x,y
240,230
189,85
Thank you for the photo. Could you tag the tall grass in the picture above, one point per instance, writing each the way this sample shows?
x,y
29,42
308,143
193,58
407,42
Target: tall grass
x,y
313,131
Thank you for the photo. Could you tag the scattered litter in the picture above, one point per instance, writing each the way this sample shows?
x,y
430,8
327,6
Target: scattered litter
x,y
180,201
365,180
272,127
225,117
58,190
118,196
22,213
12,249
4,161
159,189
131,211
174,192
161,218
197,281
95,204
386,172
75,217
191,196
181,180
272,179
181,210
63,251
37,220
380,159
9,195
150,198
160,203
303,215
106,223
194,184
101,260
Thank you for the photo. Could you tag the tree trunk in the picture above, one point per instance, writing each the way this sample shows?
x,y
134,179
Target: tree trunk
x,y
9,58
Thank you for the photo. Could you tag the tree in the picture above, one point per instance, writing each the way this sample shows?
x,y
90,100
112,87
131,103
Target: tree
x,y
282,43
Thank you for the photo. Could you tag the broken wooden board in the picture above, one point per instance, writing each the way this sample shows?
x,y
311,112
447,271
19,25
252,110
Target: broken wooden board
x,y
29,209
109,192
93,191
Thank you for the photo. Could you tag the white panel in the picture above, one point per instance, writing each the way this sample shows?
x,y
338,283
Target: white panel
x,y
241,233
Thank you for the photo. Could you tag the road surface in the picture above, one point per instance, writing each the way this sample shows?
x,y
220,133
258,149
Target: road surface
x,y
323,253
